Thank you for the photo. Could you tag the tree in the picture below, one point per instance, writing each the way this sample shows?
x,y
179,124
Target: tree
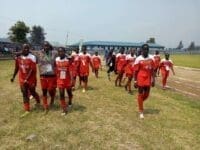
x,y
191,46
37,36
151,40
18,32
180,45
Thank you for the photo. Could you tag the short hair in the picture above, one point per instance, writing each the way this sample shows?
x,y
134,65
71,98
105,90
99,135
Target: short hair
x,y
145,47
26,46
62,48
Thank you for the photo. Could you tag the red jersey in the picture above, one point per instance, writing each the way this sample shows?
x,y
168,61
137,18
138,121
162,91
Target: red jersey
x,y
129,69
96,61
157,60
25,65
85,60
120,62
165,65
63,73
145,68
75,64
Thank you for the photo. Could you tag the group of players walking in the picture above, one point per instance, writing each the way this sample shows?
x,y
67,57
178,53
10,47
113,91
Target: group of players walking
x,y
56,69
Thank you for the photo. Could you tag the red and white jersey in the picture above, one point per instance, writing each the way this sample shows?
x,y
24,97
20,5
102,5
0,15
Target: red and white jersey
x,y
120,61
85,60
96,61
157,60
75,64
165,65
129,69
145,68
63,72
130,59
25,65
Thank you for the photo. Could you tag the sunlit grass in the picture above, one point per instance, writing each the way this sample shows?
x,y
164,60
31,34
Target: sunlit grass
x,y
105,117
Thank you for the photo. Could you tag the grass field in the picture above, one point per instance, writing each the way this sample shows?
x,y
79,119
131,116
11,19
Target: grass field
x,y
186,60
105,117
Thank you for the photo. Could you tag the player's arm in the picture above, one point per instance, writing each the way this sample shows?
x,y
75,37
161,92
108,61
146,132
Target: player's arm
x,y
100,63
136,70
15,71
172,68
159,67
71,72
91,65
153,74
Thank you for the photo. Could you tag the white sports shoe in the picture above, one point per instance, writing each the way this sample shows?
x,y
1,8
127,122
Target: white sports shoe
x,y
141,116
31,97
64,113
83,90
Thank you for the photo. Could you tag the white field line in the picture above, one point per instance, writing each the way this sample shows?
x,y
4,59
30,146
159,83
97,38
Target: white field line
x,y
186,79
188,85
188,68
184,92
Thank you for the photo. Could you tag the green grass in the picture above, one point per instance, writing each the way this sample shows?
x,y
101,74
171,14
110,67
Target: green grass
x,y
105,117
186,60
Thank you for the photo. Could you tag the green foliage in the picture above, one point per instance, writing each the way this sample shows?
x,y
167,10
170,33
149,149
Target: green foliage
x,y
18,32
37,35
151,40
180,45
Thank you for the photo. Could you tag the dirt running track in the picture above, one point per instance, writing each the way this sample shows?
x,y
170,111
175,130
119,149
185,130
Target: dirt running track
x,y
186,81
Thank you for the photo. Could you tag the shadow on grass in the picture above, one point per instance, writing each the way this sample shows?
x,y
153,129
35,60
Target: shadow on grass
x,y
90,88
77,107
151,111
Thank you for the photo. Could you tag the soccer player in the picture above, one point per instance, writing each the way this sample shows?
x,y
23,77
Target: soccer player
x,y
129,69
120,65
156,61
165,65
46,63
96,63
144,76
25,64
75,66
64,79
85,62
111,63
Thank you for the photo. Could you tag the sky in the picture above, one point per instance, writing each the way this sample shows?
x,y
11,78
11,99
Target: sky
x,y
169,21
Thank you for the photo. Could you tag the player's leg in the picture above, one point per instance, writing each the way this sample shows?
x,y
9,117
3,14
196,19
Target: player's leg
x,y
62,101
33,92
70,95
52,93
120,78
164,79
52,89
146,93
74,82
108,72
44,86
129,83
117,78
96,73
24,90
140,101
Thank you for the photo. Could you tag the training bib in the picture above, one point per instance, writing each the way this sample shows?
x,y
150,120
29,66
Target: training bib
x,y
167,68
63,74
48,68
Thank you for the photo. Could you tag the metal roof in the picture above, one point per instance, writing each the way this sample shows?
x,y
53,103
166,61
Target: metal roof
x,y
114,43
5,40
